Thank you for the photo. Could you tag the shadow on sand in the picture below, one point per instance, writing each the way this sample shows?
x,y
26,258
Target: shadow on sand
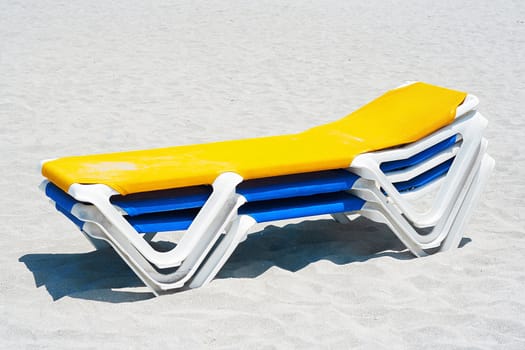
x,y
98,275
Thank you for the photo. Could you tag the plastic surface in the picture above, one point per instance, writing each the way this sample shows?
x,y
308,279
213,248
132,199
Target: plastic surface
x,y
163,221
398,117
418,158
165,214
452,159
469,128
263,211
67,213
216,213
380,208
152,202
61,198
253,190
301,207
296,185
425,178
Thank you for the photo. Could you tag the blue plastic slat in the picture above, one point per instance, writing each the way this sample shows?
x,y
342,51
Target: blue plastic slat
x,y
296,185
424,178
302,206
420,157
261,211
253,190
70,216
157,201
61,198
166,221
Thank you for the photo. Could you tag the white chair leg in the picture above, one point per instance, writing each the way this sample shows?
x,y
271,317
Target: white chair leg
x,y
223,251
341,218
454,237
98,244
368,190
157,281
471,129
220,206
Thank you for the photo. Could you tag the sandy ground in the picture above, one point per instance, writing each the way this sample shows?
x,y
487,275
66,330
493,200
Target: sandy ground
x,y
81,77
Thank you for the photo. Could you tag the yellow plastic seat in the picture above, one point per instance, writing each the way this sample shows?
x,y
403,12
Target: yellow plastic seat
x,y
400,116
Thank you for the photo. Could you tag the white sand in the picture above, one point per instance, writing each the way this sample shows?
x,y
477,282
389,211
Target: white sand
x,y
80,78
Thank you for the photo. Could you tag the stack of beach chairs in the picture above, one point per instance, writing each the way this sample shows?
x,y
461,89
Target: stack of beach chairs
x,y
416,144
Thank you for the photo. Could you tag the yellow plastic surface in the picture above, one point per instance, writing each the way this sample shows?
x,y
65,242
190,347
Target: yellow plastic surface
x,y
400,116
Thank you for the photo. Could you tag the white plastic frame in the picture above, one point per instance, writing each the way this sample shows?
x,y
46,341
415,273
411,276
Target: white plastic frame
x,y
447,234
379,208
470,127
216,213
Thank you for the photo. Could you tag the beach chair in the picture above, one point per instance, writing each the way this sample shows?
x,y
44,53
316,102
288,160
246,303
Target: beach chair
x,y
377,162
